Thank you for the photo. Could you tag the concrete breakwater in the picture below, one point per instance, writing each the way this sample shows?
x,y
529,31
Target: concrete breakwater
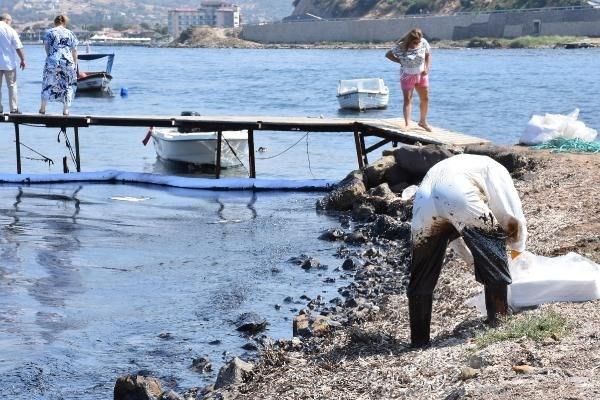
x,y
573,21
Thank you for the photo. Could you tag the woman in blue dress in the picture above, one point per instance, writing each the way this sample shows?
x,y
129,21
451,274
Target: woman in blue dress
x,y
60,70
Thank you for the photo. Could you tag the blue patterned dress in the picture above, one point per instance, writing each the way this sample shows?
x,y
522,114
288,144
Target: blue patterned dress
x,y
60,75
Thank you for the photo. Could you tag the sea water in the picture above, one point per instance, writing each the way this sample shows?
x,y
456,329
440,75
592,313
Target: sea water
x,y
101,280
486,93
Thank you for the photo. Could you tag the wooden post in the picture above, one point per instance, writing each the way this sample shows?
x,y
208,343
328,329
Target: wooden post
x,y
363,150
218,166
18,144
63,129
359,149
251,158
77,157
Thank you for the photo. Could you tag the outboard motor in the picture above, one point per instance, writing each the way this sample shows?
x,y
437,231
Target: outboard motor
x,y
182,129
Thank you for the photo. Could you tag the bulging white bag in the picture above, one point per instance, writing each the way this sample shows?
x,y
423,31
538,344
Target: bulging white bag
x,y
541,129
539,279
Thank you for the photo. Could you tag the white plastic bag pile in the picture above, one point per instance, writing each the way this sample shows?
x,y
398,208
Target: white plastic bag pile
x,y
542,128
539,279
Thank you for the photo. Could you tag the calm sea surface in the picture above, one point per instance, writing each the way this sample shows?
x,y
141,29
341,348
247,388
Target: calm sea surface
x,y
486,93
101,280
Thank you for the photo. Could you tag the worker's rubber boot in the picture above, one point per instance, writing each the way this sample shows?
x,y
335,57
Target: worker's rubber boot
x,y
419,310
496,302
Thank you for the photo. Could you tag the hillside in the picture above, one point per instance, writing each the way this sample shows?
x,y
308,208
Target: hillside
x,y
392,8
131,12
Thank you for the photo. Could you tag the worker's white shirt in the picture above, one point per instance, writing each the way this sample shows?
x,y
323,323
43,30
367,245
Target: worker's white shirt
x,y
468,190
9,42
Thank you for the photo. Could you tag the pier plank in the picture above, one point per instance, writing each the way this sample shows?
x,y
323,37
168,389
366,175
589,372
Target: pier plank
x,y
390,126
394,128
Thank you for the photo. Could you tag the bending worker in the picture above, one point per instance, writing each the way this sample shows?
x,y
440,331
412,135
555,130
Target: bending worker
x,y
472,197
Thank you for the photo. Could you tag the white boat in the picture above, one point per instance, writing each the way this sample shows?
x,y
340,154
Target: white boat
x,y
94,81
200,148
363,94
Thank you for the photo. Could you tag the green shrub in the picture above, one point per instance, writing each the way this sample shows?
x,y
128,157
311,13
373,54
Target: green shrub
x,y
518,44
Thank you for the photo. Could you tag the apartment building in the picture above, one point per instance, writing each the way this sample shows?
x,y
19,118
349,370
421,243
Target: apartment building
x,y
210,13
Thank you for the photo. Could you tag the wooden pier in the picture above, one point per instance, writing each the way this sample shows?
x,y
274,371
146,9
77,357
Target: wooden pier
x,y
388,130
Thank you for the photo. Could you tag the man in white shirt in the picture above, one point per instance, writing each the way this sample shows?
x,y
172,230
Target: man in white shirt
x,y
10,47
470,197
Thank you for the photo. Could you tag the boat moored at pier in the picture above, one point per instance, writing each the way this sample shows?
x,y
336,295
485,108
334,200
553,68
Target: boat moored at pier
x,y
200,148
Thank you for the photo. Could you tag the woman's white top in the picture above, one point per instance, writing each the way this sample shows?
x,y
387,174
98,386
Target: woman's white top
x,y
412,60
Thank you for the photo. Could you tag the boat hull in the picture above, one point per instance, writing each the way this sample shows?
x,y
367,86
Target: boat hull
x,y
363,101
94,82
200,148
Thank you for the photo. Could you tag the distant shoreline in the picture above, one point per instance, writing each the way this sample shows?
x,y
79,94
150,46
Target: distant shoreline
x,y
524,42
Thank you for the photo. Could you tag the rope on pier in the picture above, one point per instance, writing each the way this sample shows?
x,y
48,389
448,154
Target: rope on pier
x,y
308,157
284,151
291,147
44,158
236,156
68,144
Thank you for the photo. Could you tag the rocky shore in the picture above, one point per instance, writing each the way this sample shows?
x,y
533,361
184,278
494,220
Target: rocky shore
x,y
355,346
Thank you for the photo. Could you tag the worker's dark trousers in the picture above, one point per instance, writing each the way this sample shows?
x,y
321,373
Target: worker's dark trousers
x,y
491,269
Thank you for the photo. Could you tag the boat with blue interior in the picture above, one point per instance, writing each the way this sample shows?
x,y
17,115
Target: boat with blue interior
x,y
95,81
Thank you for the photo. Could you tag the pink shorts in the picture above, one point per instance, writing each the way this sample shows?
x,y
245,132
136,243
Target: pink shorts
x,y
409,81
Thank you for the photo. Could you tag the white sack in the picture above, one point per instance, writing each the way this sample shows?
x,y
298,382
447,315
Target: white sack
x,y
541,129
539,279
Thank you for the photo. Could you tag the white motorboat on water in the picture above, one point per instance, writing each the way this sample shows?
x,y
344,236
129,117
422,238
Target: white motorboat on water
x,y
94,81
363,94
200,148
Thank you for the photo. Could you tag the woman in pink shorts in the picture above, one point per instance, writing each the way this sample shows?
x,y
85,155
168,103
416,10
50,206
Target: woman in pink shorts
x,y
414,56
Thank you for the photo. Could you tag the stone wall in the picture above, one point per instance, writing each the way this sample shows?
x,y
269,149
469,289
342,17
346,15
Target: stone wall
x,y
576,22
